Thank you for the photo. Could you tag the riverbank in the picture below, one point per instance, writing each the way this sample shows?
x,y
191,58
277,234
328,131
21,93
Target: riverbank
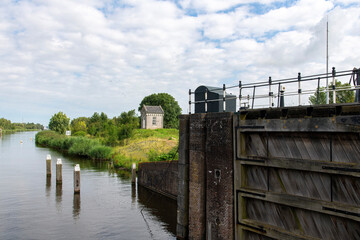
x,y
9,131
145,145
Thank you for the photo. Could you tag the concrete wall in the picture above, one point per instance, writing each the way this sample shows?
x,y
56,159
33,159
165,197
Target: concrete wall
x,y
206,158
161,177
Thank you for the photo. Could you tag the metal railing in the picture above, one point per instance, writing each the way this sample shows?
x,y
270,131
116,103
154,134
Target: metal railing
x,y
250,92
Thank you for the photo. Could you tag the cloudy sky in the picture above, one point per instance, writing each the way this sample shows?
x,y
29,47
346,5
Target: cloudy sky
x,y
86,56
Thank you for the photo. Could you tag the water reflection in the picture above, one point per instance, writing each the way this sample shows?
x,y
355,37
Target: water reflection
x,y
58,196
76,206
133,194
162,207
48,186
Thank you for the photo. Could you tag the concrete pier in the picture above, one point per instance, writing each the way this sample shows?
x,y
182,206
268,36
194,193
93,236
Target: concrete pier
x,y
59,171
48,165
133,173
77,178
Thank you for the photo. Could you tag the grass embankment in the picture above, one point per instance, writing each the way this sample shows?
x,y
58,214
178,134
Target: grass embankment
x,y
81,146
145,145
9,131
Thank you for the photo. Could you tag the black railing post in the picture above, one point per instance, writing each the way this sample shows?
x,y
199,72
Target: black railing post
x,y
357,84
270,94
224,102
253,99
282,96
240,85
299,87
334,84
318,91
189,101
206,93
278,102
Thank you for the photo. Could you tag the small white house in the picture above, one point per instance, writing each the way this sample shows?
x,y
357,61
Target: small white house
x,y
152,117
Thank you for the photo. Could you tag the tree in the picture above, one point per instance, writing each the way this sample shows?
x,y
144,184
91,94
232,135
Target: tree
x,y
59,122
127,118
346,96
79,124
171,108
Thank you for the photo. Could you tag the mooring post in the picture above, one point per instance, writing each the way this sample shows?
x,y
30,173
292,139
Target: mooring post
x,y
133,173
58,171
48,165
77,178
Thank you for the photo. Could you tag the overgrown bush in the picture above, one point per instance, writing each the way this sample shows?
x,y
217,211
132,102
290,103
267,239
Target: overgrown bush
x,y
100,152
81,146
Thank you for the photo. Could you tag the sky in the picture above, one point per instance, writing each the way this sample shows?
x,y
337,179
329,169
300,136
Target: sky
x,y
86,56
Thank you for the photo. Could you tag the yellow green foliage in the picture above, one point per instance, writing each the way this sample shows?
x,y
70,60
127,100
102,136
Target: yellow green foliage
x,y
146,145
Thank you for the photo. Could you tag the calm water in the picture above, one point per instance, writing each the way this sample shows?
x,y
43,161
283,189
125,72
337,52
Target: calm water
x,y
108,207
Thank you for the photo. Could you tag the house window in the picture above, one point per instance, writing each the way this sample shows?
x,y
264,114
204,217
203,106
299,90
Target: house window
x,y
154,120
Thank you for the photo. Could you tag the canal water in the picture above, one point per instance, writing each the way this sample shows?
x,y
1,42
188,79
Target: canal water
x,y
32,206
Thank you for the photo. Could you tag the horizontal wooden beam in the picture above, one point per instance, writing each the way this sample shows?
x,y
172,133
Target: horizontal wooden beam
x,y
271,231
330,208
347,169
329,124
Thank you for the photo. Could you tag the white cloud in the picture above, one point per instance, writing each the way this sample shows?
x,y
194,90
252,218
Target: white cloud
x,y
211,6
85,56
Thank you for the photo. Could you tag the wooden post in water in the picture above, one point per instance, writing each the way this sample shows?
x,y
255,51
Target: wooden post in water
x,y
133,173
59,171
77,178
48,165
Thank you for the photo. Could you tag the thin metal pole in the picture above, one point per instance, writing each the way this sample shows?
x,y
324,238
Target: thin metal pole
x,y
327,60
278,105
357,84
206,100
253,99
334,85
240,95
224,102
318,91
299,87
270,93
189,101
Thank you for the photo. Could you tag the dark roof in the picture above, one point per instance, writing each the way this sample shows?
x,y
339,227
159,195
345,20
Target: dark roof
x,y
153,109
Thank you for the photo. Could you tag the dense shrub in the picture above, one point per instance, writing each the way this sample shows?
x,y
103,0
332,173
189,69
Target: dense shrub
x,y
81,146
100,152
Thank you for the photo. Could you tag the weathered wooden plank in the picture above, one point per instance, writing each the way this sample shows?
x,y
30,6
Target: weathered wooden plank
x,y
347,169
275,147
256,177
346,190
300,183
256,144
272,231
298,125
337,209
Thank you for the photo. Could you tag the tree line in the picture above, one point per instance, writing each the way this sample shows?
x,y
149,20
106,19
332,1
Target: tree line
x,y
6,124
113,131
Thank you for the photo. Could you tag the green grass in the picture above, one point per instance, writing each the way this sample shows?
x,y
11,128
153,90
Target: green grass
x,y
80,146
145,145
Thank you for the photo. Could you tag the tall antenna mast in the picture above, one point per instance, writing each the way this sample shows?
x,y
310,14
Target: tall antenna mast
x,y
327,60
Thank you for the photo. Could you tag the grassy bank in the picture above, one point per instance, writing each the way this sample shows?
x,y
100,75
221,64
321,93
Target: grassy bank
x,y
81,146
147,146
144,145
9,131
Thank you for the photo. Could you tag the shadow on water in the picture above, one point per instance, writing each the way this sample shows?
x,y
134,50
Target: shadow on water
x,y
58,196
76,206
48,186
162,207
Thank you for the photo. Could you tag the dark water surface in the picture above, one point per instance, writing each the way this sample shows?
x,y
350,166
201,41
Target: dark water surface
x,y
108,207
